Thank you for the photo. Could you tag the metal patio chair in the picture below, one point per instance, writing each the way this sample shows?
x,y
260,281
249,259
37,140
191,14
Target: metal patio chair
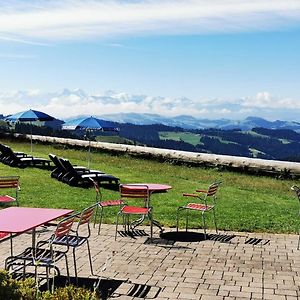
x,y
44,255
296,189
80,235
101,204
131,194
11,186
206,203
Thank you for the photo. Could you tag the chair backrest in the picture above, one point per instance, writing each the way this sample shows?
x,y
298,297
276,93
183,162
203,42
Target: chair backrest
x,y
84,219
296,189
97,190
211,192
137,192
10,182
212,189
63,227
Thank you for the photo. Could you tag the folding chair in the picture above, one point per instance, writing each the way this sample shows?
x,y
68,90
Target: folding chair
x,y
80,235
132,193
296,189
12,184
44,255
101,204
202,196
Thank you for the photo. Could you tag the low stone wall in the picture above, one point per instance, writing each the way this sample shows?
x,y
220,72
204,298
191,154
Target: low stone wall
x,y
243,164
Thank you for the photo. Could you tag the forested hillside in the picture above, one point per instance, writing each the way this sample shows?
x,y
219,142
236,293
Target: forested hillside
x,y
275,144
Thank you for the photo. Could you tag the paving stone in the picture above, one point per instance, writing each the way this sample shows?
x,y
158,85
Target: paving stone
x,y
190,270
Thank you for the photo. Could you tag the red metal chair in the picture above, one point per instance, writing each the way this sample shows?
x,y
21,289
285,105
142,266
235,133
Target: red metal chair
x,y
204,205
80,236
11,185
44,255
133,193
296,189
101,204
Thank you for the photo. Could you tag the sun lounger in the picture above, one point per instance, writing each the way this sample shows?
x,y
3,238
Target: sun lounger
x,y
22,161
75,175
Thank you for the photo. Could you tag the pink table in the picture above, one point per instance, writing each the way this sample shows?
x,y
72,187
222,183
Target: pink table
x,y
21,219
153,188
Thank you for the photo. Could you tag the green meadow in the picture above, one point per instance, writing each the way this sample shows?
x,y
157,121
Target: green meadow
x,y
245,202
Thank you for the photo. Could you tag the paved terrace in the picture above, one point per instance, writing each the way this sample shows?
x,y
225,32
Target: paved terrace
x,y
229,265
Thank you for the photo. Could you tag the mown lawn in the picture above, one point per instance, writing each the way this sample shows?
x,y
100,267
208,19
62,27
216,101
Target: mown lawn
x,y
246,202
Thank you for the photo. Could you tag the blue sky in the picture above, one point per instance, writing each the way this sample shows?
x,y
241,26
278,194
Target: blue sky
x,y
229,58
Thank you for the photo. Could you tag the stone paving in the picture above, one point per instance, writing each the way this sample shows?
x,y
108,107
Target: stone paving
x,y
228,265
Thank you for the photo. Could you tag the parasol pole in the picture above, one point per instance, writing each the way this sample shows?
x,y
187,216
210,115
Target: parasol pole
x,y
31,137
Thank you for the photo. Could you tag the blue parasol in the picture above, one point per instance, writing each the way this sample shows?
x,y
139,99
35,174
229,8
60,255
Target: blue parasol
x,y
29,116
89,124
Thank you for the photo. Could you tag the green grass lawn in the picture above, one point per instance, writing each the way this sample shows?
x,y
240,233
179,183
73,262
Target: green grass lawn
x,y
245,203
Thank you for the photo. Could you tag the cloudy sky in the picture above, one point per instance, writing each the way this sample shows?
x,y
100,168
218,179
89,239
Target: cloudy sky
x,y
207,58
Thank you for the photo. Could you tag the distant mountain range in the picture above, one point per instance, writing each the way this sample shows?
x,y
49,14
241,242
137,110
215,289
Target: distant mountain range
x,y
189,122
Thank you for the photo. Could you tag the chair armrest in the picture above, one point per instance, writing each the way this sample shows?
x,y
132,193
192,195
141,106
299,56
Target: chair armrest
x,y
190,195
201,191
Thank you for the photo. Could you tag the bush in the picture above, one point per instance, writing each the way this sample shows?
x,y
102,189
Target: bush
x,y
12,289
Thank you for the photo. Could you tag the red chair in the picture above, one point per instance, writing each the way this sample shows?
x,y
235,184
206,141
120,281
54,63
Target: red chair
x,y
44,255
296,189
204,205
101,204
11,186
135,193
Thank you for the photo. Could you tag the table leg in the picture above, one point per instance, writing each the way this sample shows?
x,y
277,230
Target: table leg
x,y
33,238
11,244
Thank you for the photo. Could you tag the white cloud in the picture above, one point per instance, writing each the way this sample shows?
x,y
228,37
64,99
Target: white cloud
x,y
71,103
266,100
52,20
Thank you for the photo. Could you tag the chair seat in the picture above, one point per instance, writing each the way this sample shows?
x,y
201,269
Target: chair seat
x,y
135,210
6,198
111,203
198,206
73,240
3,235
44,257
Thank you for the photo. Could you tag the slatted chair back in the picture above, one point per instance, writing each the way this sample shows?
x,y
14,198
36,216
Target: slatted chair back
x,y
9,183
135,192
210,193
85,219
97,190
63,227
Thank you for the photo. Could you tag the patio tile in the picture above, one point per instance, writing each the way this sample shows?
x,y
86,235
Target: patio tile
x,y
209,269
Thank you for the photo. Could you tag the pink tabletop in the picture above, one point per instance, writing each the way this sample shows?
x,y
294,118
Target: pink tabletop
x,y
20,219
153,187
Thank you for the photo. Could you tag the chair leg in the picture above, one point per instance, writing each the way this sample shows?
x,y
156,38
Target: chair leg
x,y
151,226
177,219
187,220
75,266
67,268
100,220
96,214
298,242
117,223
90,257
215,221
204,224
